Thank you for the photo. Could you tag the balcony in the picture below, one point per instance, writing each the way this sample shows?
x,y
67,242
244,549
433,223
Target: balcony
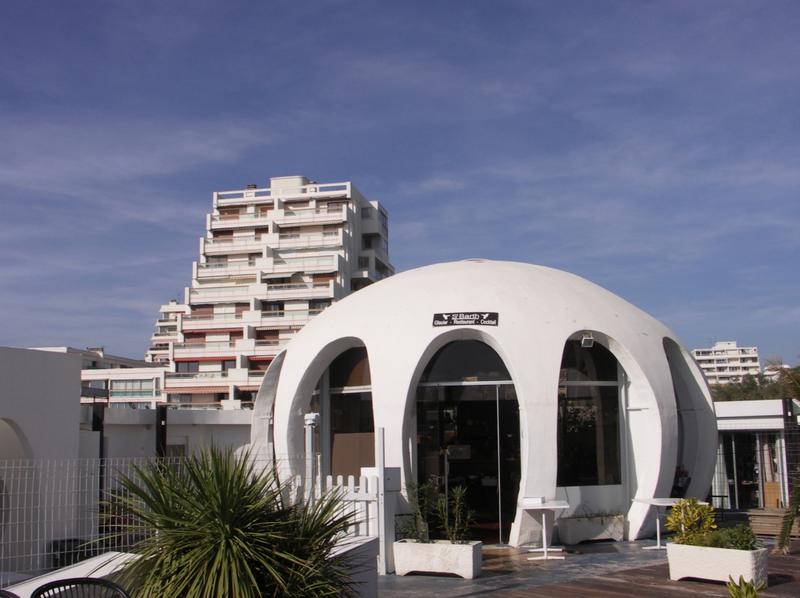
x,y
305,264
241,244
311,216
226,294
300,241
300,290
224,270
204,349
243,220
251,196
287,318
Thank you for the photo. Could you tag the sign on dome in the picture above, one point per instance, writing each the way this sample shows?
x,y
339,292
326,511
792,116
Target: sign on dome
x,y
466,318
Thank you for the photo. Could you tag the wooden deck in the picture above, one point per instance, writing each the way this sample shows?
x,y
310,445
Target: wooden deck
x,y
654,582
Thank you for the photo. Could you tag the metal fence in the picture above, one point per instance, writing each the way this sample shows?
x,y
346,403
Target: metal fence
x,y
55,512
58,512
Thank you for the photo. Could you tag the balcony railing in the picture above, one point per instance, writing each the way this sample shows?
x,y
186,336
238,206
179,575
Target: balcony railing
x,y
292,286
195,375
291,315
206,345
240,290
312,190
199,317
263,342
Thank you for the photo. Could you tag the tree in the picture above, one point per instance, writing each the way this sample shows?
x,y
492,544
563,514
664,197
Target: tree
x,y
786,385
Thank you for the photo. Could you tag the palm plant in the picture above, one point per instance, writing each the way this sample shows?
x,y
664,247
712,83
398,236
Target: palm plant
x,y
217,526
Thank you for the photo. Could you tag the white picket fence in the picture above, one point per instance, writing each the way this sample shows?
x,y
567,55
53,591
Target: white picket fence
x,y
51,508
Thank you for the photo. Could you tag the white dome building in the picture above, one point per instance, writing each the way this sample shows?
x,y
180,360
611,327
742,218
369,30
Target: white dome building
x,y
512,379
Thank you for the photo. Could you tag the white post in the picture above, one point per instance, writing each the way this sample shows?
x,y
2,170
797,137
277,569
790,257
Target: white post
x,y
310,420
382,523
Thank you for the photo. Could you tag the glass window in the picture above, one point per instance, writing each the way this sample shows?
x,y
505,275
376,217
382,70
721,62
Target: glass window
x,y
351,368
465,361
588,417
588,436
131,388
580,364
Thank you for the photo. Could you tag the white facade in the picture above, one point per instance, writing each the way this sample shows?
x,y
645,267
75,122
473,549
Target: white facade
x,y
726,362
661,405
39,410
271,259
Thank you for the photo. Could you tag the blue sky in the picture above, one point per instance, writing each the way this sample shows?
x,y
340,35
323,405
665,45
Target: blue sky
x,y
651,147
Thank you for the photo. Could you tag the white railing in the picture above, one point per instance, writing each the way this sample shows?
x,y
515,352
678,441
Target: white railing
x,y
303,262
198,375
216,316
206,345
292,286
292,316
239,290
57,512
314,189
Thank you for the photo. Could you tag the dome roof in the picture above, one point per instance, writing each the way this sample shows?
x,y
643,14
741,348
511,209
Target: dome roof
x,y
522,294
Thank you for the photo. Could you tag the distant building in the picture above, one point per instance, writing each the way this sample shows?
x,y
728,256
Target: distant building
x,y
271,259
726,362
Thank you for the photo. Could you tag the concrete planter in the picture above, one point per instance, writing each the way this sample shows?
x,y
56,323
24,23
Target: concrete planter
x,y
440,556
573,530
717,564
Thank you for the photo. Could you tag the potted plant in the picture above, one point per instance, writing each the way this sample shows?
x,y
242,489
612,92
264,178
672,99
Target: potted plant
x,y
700,550
419,553
584,525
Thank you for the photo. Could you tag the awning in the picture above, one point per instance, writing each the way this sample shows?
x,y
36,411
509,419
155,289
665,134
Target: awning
x,y
215,358
212,330
247,387
260,358
196,390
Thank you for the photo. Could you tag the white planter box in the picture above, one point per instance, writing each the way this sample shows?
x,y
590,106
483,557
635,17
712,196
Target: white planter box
x,y
703,562
439,556
573,530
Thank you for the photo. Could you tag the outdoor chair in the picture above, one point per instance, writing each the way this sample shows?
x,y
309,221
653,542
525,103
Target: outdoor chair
x,y
80,587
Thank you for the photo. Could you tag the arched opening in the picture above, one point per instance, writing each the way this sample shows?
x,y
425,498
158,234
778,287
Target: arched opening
x,y
692,406
468,432
343,398
591,429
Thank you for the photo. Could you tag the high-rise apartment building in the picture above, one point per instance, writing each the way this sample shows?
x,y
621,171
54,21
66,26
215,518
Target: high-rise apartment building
x,y
271,259
726,362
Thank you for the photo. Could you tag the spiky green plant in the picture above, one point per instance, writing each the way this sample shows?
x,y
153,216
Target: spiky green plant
x,y
743,589
217,526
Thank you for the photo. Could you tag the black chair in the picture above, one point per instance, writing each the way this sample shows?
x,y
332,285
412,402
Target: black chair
x,y
80,587
7,594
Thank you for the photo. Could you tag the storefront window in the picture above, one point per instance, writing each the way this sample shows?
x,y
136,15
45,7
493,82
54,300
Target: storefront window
x,y
588,417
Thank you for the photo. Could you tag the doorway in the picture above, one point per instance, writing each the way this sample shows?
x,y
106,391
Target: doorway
x,y
468,434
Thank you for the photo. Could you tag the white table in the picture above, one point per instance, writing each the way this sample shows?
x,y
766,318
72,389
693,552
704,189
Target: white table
x,y
659,503
543,507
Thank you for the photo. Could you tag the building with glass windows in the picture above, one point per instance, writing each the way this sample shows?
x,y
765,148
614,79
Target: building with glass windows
x,y
511,379
271,259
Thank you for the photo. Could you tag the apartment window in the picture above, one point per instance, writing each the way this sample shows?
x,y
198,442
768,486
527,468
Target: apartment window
x,y
131,388
187,366
228,364
367,212
363,263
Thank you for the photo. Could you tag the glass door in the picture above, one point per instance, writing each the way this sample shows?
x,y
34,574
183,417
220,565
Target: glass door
x,y
468,435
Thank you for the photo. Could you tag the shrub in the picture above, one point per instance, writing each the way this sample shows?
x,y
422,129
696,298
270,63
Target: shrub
x,y
218,527
455,516
691,521
740,537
